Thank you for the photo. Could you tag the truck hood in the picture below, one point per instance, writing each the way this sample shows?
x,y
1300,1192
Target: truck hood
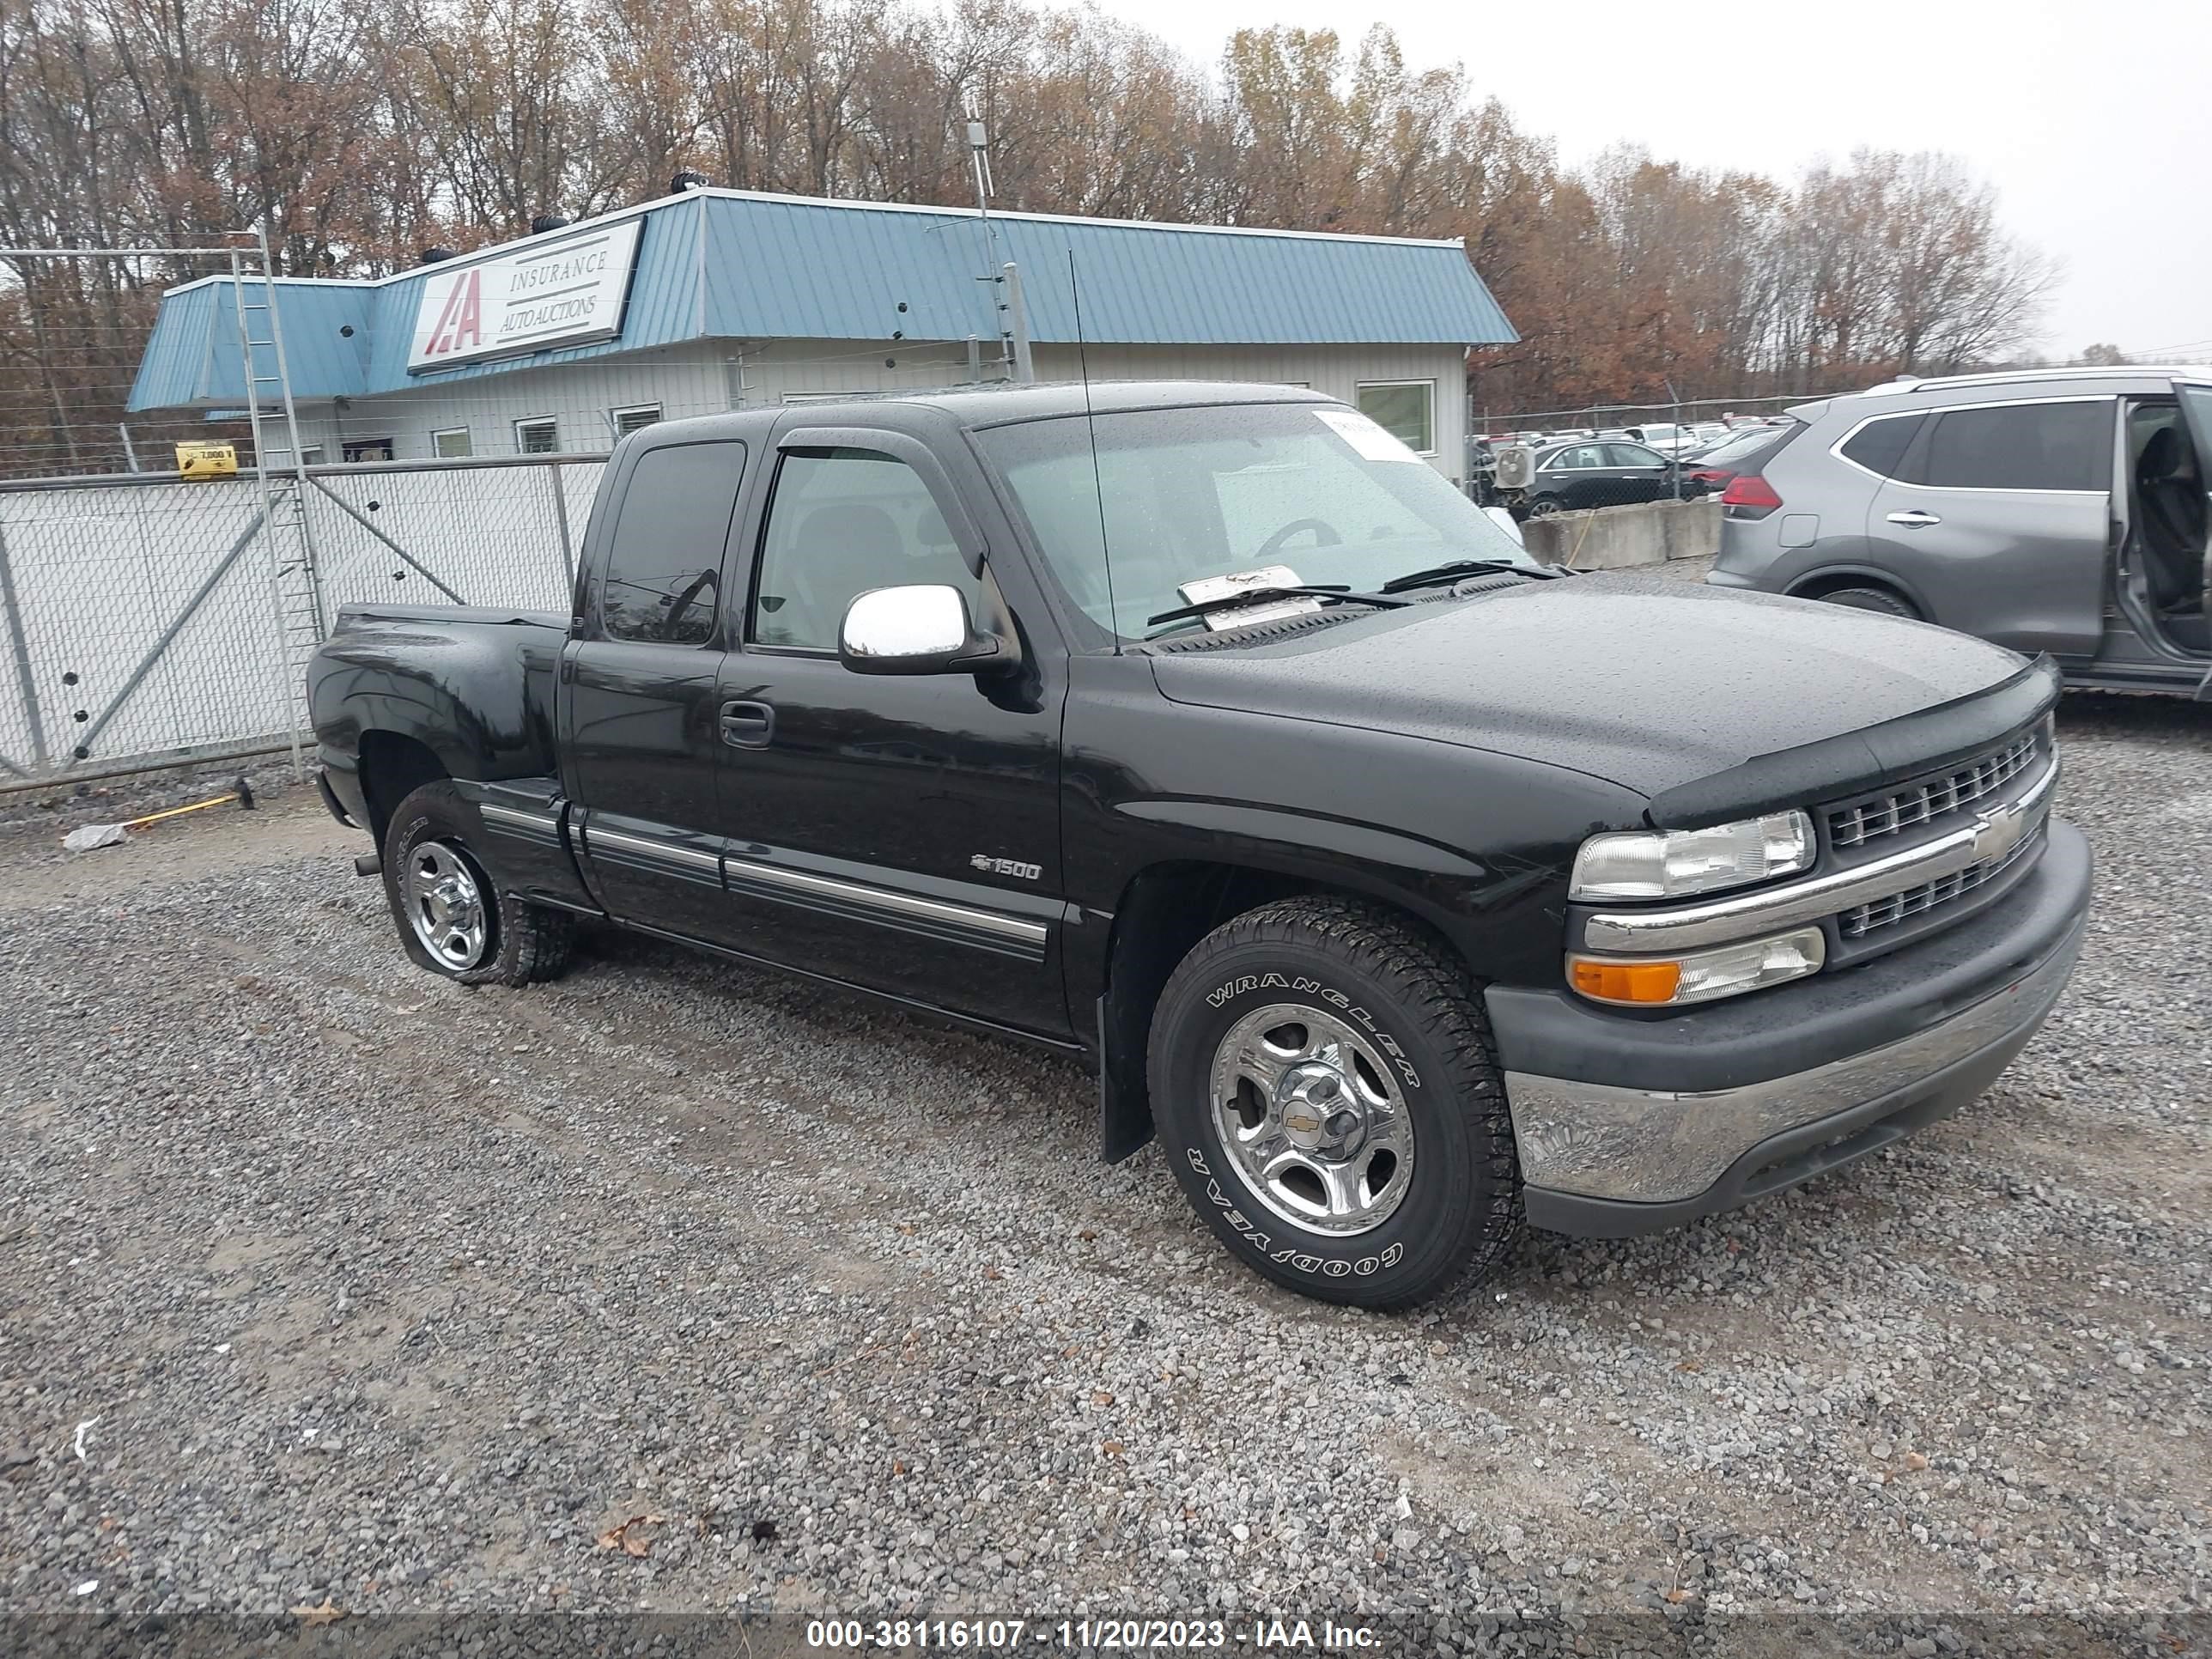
x,y
1646,681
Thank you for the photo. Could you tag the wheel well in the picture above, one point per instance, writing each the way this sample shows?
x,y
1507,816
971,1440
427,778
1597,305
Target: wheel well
x,y
1164,911
1819,587
393,768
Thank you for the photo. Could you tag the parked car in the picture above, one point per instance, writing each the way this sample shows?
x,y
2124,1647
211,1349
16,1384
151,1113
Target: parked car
x,y
2049,510
1401,885
1596,472
1670,440
1717,466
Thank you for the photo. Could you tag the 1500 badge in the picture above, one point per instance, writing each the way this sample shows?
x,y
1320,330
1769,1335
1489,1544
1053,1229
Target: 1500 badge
x,y
990,865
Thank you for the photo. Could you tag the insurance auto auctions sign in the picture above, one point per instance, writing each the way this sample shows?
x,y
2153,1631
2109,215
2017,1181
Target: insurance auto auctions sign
x,y
568,292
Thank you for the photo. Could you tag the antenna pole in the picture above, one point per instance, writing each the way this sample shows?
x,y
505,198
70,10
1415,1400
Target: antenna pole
x,y
1091,426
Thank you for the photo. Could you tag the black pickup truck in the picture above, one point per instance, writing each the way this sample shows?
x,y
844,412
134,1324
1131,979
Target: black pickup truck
x,y
1403,886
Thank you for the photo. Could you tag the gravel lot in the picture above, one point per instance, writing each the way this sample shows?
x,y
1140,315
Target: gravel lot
x,y
321,1279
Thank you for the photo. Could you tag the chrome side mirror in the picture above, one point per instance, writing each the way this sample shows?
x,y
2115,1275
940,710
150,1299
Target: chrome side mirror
x,y
921,630
1505,521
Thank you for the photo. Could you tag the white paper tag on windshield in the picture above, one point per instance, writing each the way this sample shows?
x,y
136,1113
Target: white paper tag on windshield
x,y
1211,589
1371,442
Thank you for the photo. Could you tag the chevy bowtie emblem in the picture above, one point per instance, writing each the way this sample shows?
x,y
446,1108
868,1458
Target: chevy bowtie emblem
x,y
1302,1123
1997,833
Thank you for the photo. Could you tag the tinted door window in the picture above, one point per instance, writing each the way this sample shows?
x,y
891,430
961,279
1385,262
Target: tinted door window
x,y
844,521
1880,445
1578,458
1635,455
665,563
2019,447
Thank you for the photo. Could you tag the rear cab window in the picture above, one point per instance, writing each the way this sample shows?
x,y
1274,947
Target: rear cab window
x,y
662,579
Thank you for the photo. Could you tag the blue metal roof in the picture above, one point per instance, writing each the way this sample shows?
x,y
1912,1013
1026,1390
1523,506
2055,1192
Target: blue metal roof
x,y
192,357
731,264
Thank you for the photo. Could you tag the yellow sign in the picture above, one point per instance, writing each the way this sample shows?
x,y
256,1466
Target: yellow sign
x,y
206,460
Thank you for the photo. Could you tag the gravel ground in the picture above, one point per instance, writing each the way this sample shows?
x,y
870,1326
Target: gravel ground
x,y
322,1281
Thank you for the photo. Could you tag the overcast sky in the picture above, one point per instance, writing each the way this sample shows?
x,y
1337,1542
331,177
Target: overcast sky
x,y
2093,118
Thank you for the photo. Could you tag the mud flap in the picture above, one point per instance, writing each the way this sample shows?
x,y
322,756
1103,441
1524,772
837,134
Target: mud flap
x,y
1124,1107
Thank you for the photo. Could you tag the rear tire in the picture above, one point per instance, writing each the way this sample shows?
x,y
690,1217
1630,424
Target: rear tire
x,y
1545,506
1298,1047
1874,599
447,904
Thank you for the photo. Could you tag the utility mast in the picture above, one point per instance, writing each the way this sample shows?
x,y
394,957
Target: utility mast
x,y
1014,356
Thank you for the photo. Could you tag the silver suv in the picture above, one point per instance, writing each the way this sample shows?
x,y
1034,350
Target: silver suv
x,y
2059,509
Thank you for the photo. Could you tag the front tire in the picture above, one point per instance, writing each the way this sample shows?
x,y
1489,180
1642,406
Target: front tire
x,y
452,917
1323,1082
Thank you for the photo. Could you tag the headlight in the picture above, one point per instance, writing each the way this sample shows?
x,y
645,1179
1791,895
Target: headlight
x,y
1674,863
1726,970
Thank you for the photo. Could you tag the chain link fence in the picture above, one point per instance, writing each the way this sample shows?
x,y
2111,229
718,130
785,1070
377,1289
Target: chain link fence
x,y
138,626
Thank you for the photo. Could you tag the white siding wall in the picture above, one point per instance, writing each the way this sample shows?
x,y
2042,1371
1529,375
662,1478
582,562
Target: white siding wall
x,y
708,378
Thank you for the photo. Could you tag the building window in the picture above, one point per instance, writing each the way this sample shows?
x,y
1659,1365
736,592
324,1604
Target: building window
x,y
452,443
637,419
312,455
539,435
366,449
1407,410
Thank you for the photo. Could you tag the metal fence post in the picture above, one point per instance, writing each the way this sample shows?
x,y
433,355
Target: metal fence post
x,y
561,518
27,684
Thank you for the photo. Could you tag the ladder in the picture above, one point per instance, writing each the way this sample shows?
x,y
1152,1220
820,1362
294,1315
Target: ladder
x,y
288,535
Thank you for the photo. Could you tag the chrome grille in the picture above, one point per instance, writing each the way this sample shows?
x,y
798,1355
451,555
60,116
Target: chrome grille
x,y
1864,918
1930,799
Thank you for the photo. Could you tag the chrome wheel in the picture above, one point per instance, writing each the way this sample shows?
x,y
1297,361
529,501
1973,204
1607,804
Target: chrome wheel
x,y
1312,1119
1544,507
447,905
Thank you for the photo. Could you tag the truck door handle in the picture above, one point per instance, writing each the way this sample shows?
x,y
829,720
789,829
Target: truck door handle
x,y
1915,519
748,724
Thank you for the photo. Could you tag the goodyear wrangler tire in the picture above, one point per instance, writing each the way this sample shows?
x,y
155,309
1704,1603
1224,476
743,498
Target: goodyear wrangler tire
x,y
446,901
1323,1081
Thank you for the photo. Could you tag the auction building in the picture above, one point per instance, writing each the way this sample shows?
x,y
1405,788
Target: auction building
x,y
713,299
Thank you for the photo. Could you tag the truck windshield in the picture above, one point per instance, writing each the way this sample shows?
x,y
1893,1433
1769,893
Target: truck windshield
x,y
1315,489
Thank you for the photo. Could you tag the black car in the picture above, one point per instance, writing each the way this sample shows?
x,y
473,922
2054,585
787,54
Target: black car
x,y
1597,472
1744,451
1403,886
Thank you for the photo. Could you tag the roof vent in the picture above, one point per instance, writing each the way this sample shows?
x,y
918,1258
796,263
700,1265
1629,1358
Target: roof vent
x,y
688,180
434,256
545,221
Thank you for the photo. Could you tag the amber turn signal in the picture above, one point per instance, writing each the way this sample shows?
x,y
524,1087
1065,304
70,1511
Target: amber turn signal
x,y
1627,982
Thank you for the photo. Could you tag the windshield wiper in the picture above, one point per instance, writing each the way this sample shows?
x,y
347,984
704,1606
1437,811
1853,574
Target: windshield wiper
x,y
1260,595
1438,572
